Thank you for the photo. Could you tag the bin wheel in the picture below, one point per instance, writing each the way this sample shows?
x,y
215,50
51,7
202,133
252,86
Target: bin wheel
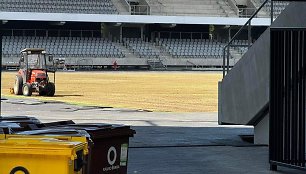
x,y
19,169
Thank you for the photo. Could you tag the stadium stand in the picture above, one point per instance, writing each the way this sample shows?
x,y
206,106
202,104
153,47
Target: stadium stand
x,y
278,7
195,48
79,44
216,8
141,48
243,48
59,6
63,46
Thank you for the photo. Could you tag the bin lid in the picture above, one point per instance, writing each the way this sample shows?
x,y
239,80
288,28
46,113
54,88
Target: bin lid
x,y
57,123
100,130
50,132
20,121
7,118
17,126
100,125
9,125
40,146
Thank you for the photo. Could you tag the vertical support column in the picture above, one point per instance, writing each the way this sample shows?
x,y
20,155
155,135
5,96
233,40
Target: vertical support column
x,y
271,12
228,58
141,32
249,35
1,63
229,34
120,37
224,62
226,54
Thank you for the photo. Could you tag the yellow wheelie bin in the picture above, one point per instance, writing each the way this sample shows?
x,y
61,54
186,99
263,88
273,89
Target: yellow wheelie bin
x,y
42,155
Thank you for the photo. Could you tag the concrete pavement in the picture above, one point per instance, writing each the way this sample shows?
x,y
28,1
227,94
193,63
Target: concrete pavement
x,y
165,143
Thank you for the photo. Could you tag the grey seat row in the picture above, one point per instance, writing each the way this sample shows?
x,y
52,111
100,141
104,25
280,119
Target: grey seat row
x,y
59,6
189,48
60,47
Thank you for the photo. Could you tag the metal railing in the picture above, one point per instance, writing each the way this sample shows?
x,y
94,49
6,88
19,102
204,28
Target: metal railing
x,y
140,9
226,49
183,35
287,98
246,12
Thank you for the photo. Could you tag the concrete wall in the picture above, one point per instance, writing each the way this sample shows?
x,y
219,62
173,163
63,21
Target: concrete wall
x,y
261,131
245,89
133,61
143,61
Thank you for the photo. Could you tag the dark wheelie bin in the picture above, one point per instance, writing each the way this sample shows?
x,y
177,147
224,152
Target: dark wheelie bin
x,y
19,123
109,153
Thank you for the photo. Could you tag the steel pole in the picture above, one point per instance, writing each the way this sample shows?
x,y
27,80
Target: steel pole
x,y
0,65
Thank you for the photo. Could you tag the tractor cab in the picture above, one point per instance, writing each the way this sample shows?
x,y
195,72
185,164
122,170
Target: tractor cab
x,y
35,64
32,76
33,59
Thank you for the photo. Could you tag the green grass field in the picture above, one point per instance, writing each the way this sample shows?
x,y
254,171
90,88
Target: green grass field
x,y
155,91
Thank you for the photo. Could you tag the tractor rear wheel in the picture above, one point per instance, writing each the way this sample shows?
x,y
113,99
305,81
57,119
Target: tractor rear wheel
x,y
42,91
50,89
27,89
18,85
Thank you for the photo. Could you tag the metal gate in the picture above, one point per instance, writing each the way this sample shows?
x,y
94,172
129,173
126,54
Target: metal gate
x,y
287,98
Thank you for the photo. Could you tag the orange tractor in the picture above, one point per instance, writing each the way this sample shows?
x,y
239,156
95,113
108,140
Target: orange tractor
x,y
34,66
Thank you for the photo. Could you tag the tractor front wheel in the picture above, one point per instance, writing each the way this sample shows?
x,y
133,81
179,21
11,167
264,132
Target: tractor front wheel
x,y
50,89
27,89
18,85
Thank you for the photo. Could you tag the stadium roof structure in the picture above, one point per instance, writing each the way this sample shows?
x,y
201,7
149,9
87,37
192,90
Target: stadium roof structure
x,y
142,19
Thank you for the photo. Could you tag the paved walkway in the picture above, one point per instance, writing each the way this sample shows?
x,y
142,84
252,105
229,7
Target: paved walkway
x,y
165,143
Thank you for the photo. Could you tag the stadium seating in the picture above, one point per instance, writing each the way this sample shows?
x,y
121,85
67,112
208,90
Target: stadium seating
x,y
59,6
62,46
195,48
241,49
141,48
278,6
216,8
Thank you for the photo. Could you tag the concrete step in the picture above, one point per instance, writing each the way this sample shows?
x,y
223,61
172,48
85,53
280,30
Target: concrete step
x,y
192,7
128,53
120,7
